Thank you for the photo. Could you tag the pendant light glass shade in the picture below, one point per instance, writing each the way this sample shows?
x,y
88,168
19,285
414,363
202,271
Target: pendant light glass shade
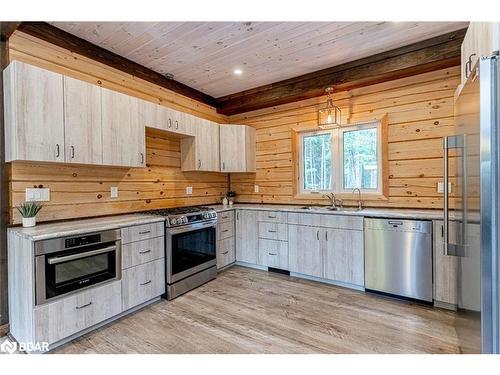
x,y
329,115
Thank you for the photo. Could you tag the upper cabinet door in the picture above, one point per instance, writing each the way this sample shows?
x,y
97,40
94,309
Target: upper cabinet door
x,y
123,134
237,148
201,151
82,122
34,125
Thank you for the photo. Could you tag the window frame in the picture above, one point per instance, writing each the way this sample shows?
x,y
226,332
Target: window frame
x,y
337,151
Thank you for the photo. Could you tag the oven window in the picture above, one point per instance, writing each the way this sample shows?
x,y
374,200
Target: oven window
x,y
81,268
79,271
191,249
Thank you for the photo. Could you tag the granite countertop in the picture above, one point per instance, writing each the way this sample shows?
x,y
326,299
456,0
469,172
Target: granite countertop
x,y
366,212
76,227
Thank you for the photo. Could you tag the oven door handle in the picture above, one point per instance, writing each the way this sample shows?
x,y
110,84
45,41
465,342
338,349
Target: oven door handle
x,y
56,260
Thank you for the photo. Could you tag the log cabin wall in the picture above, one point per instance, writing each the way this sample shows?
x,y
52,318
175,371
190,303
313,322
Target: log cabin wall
x,y
420,113
84,191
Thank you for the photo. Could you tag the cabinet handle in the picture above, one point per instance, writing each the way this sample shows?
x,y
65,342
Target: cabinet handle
x,y
317,235
272,231
467,69
223,165
144,252
326,236
145,232
169,123
225,252
237,215
83,306
224,231
272,254
146,283
58,150
142,158
72,152
176,125
468,65
224,217
199,163
271,217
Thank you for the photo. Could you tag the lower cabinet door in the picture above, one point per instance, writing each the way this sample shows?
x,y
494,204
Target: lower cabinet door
x,y
62,318
143,283
225,252
273,253
305,250
344,256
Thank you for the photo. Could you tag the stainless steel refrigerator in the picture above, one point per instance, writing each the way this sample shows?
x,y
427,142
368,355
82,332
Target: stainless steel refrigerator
x,y
471,220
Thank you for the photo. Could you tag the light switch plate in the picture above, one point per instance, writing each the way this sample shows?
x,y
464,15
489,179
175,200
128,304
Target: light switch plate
x,y
189,190
37,194
440,187
114,191
256,188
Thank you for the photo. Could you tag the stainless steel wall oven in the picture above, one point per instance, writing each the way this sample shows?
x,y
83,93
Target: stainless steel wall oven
x,y
69,264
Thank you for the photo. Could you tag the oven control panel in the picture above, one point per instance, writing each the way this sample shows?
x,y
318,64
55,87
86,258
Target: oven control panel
x,y
177,220
82,240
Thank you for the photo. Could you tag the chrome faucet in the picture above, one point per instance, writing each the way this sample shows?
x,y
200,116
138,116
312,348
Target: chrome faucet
x,y
332,199
360,204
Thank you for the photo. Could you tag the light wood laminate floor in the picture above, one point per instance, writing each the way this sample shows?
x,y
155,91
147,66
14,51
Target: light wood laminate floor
x,y
251,311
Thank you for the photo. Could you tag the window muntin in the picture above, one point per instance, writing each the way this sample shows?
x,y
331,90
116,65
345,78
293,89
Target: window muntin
x,y
341,159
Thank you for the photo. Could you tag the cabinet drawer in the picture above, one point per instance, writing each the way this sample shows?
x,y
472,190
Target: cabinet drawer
x,y
225,230
225,252
273,216
225,216
342,222
273,231
139,252
311,219
67,316
142,232
142,283
273,253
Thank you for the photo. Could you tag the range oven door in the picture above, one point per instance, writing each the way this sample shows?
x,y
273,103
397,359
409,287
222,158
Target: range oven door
x,y
66,271
190,249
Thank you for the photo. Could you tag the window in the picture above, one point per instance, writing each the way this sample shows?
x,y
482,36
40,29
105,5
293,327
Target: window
x,y
341,159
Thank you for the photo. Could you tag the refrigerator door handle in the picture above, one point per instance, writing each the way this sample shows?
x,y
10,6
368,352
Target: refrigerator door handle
x,y
455,142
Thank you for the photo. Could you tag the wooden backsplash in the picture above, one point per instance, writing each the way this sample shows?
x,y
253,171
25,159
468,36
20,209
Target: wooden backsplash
x,y
420,113
84,191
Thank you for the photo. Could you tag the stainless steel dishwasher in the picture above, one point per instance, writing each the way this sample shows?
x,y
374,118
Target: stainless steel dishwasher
x,y
398,257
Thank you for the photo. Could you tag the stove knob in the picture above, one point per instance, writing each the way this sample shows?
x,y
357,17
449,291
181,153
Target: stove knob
x,y
185,219
173,221
205,215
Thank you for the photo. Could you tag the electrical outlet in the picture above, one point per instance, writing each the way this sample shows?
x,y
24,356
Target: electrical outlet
x,y
440,187
114,191
37,194
256,188
189,190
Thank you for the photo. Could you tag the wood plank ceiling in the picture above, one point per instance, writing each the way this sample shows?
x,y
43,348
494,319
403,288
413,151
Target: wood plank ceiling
x,y
203,55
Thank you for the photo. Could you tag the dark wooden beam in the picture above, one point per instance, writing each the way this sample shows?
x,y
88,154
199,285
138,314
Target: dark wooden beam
x,y
7,28
52,34
431,54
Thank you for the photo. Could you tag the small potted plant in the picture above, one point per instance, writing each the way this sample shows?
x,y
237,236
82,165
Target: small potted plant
x,y
28,211
230,197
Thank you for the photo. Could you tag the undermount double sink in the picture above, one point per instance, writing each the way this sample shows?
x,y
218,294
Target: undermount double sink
x,y
330,208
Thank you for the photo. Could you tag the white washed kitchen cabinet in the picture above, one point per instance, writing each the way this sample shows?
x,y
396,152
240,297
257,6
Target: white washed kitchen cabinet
x,y
237,148
201,152
123,135
305,250
34,120
247,236
481,39
344,256
82,122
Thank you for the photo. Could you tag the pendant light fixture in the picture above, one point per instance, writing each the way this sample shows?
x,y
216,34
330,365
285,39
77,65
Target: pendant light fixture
x,y
329,116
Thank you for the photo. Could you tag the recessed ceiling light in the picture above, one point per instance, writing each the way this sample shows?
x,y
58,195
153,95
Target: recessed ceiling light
x,y
238,72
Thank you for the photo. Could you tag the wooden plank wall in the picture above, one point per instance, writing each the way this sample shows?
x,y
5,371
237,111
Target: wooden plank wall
x,y
420,113
84,191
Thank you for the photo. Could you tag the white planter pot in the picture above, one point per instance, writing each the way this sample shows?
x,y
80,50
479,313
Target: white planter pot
x,y
224,201
29,222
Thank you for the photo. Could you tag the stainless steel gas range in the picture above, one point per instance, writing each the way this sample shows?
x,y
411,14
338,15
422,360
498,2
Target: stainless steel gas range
x,y
190,246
